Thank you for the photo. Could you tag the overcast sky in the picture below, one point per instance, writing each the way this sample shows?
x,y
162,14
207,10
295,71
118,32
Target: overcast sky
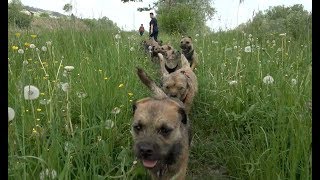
x,y
229,12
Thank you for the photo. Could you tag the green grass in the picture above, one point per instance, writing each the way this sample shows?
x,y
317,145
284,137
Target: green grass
x,y
251,130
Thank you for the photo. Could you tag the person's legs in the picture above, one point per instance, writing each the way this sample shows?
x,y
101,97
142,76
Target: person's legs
x,y
155,35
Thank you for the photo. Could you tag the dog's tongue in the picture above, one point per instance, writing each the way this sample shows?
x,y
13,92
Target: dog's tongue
x,y
149,163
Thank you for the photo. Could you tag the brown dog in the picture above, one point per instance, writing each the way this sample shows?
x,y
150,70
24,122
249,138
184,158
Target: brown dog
x,y
161,133
182,83
189,52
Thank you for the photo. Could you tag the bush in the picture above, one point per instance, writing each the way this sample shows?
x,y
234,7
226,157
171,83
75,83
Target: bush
x,y
17,18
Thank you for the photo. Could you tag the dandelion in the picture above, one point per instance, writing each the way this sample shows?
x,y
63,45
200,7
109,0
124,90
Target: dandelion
x,y
115,110
268,79
282,34
25,62
117,36
48,43
121,85
51,174
130,94
247,49
32,46
20,51
109,124
197,35
11,114
43,48
293,81
27,44
31,92
195,40
238,58
44,101
132,49
39,110
69,68
15,47
235,47
234,82
135,162
17,34
250,36
81,95
37,49
33,36
65,87
105,78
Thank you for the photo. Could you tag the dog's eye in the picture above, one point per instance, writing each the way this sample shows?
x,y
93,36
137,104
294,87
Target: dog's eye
x,y
165,131
137,127
181,42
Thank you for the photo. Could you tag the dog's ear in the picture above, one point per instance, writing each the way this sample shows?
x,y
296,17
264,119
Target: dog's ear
x,y
183,114
134,107
190,37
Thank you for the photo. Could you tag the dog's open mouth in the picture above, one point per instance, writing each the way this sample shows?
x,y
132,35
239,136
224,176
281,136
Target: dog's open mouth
x,y
149,163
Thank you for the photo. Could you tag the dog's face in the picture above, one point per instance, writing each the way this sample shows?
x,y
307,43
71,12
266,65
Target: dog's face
x,y
159,131
186,43
176,84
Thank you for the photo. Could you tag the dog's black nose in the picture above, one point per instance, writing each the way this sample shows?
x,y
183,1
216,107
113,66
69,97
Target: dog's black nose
x,y
146,149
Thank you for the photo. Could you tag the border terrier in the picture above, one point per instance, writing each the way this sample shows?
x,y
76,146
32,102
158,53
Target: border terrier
x,y
172,60
182,83
161,133
188,51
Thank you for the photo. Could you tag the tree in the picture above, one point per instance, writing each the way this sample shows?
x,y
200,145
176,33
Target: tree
x,y
67,8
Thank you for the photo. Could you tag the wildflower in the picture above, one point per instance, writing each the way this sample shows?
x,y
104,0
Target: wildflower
x,y
27,44
99,138
195,40
235,47
11,114
65,73
109,124
121,85
100,70
268,79
197,35
293,81
43,48
68,146
39,110
238,57
250,35
17,34
273,41
130,94
33,36
37,49
117,36
32,46
48,43
25,62
135,162
20,51
105,78
31,92
115,110
282,34
268,41
132,49
234,82
65,87
69,68
215,42
247,49
279,49
44,101
15,47
81,95
47,173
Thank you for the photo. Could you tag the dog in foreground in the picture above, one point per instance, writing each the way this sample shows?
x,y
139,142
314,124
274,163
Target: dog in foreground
x,y
161,133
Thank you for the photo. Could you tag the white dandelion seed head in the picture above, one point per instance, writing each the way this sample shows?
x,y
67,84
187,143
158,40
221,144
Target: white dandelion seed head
x,y
268,41
117,36
268,79
234,82
32,46
53,174
273,41
235,47
81,95
42,175
197,35
43,48
20,51
238,58
195,40
250,35
247,49
31,92
109,124
115,110
65,87
25,62
248,43
132,49
69,68
11,114
44,101
49,43
294,81
282,34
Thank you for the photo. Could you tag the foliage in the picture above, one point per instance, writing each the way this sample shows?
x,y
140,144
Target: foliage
x,y
44,14
67,8
16,17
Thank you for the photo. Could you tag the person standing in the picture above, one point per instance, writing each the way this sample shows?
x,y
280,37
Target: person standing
x,y
153,30
141,30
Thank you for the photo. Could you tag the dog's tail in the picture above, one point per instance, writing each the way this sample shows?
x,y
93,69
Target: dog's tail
x,y
146,80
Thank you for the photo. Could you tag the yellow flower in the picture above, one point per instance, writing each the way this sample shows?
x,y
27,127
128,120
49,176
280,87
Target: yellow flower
x,y
100,70
42,94
130,94
15,47
105,78
121,85
38,109
34,130
33,36
38,119
45,78
27,44
17,34
29,59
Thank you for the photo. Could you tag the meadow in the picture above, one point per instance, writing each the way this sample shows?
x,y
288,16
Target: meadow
x,y
251,118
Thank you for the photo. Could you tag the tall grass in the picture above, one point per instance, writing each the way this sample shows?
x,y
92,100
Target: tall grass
x,y
244,129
